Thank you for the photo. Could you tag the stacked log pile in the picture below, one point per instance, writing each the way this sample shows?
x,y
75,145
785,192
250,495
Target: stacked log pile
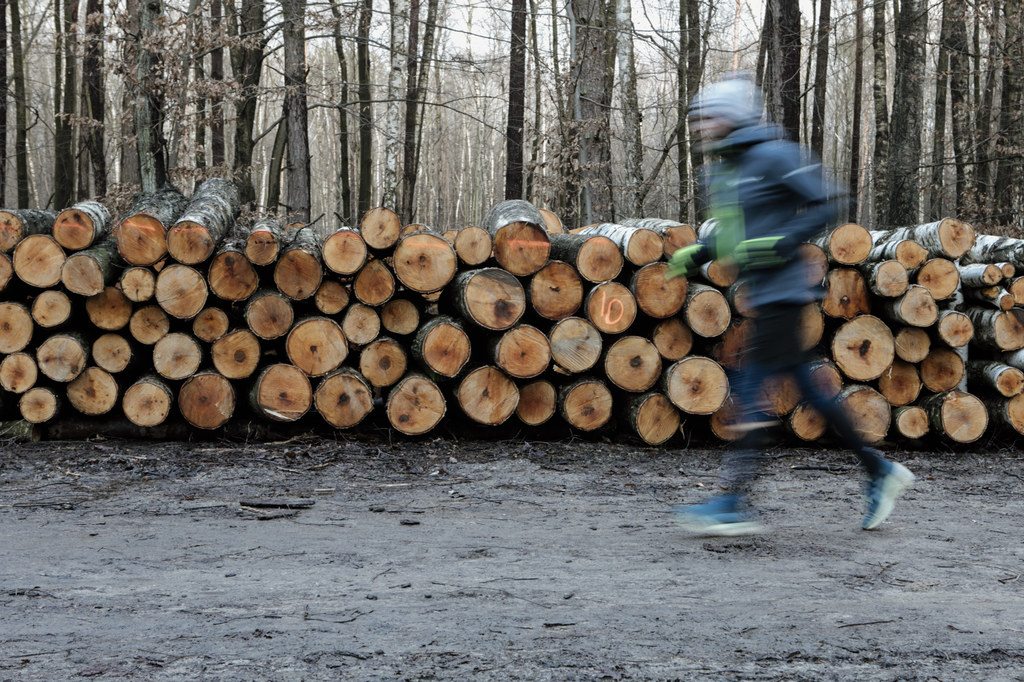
x,y
175,311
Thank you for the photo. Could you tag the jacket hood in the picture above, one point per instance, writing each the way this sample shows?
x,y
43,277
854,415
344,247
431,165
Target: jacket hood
x,y
741,138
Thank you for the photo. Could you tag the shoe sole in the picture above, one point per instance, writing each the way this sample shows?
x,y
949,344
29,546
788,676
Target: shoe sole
x,y
894,485
726,530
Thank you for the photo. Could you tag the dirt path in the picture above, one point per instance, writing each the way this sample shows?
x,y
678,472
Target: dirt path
x,y
503,561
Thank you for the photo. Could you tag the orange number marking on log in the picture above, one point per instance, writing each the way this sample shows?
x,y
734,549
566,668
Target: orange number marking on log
x,y
608,306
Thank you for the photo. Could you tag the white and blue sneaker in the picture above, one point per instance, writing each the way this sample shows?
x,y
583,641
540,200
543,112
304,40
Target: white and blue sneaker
x,y
882,491
723,515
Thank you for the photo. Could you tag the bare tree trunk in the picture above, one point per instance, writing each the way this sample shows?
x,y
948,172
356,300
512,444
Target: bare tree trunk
x,y
879,87
1010,172
427,55
408,196
531,168
936,195
199,75
365,109
633,136
569,174
345,214
149,100
217,75
788,23
393,111
295,110
821,77
593,76
959,90
516,103
908,93
94,100
985,124
64,104
858,87
245,26
20,107
276,164
3,102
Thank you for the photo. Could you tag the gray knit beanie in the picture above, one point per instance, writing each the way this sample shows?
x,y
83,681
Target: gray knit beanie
x,y
736,99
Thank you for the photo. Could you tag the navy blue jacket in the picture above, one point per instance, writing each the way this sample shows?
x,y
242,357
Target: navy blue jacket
x,y
782,191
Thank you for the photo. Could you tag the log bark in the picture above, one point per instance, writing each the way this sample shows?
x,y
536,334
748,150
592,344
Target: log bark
x,y
177,356
639,246
906,252
910,421
424,262
490,297
93,392
900,384
206,400
316,345
383,362
82,225
946,238
585,403
414,405
912,344
672,338
487,395
361,324
863,348
38,260
88,272
149,324
112,352
595,257
555,291
51,308
999,330
915,308
522,351
632,363
380,228
332,297
575,344
281,392
442,346
538,401
868,409
299,268
400,316
15,225
995,297
147,402
39,405
939,276
656,295
954,328
991,375
138,284
706,311
62,357
231,276
520,240
846,294
887,278
374,285
652,417
236,355
344,251
979,275
269,314
207,218
696,385
181,291
957,415
848,244
142,236
15,327
1007,411
210,324
993,249
473,245
18,372
343,398
263,242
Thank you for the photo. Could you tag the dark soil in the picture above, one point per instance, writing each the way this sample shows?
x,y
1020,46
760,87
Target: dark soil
x,y
366,559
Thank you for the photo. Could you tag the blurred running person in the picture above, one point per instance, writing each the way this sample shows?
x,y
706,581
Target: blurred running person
x,y
767,195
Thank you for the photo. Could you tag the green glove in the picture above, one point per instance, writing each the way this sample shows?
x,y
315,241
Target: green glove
x,y
762,253
687,260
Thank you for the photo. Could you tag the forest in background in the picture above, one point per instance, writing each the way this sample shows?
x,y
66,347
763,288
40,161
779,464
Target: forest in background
x,y
441,108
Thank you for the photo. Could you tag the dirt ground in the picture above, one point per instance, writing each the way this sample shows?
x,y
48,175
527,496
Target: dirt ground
x,y
447,559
